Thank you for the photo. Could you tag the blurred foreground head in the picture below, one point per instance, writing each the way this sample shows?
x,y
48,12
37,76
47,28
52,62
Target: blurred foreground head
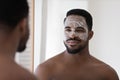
x,y
14,14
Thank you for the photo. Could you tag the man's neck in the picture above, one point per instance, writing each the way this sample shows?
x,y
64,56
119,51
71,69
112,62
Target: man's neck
x,y
4,56
7,48
78,57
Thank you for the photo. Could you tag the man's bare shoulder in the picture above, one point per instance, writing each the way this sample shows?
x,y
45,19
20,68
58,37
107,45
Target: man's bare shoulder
x,y
12,71
46,69
54,61
104,69
25,74
108,71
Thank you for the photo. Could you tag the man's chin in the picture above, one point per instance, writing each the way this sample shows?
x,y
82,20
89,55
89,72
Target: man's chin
x,y
73,51
21,49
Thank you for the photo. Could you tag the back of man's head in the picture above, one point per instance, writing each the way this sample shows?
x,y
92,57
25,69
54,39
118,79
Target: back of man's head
x,y
12,12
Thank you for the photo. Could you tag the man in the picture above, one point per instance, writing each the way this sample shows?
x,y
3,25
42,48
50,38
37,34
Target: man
x,y
13,37
76,63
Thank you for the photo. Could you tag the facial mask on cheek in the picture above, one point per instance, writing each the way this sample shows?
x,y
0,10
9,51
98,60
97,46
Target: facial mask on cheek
x,y
83,36
66,36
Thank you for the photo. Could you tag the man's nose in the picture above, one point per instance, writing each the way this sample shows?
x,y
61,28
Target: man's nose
x,y
72,35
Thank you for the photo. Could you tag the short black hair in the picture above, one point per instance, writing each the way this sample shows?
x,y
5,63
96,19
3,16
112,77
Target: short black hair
x,y
84,13
12,11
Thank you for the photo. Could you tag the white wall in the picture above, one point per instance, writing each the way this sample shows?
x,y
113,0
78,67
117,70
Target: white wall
x,y
106,42
37,32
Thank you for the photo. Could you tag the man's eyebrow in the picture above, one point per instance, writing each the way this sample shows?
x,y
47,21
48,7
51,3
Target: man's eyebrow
x,y
67,27
79,27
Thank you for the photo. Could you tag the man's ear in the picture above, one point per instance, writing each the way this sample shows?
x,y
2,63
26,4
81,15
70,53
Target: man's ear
x,y
90,34
22,25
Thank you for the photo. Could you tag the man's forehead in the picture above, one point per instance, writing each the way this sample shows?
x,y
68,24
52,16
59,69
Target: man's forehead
x,y
75,17
77,23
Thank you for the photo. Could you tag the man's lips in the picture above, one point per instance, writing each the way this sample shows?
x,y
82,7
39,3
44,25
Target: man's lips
x,y
72,42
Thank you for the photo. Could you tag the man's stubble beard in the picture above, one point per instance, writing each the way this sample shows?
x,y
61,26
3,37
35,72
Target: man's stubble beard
x,y
23,42
22,45
77,50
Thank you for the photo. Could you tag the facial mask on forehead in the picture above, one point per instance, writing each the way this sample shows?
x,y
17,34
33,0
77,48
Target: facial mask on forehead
x,y
74,23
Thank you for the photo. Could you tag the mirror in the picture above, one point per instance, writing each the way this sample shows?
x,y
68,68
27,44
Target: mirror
x,y
49,15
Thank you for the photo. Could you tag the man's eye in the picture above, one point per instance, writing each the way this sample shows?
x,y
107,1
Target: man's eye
x,y
80,30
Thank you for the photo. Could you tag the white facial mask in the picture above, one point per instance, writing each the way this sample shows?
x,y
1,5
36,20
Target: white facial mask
x,y
74,22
